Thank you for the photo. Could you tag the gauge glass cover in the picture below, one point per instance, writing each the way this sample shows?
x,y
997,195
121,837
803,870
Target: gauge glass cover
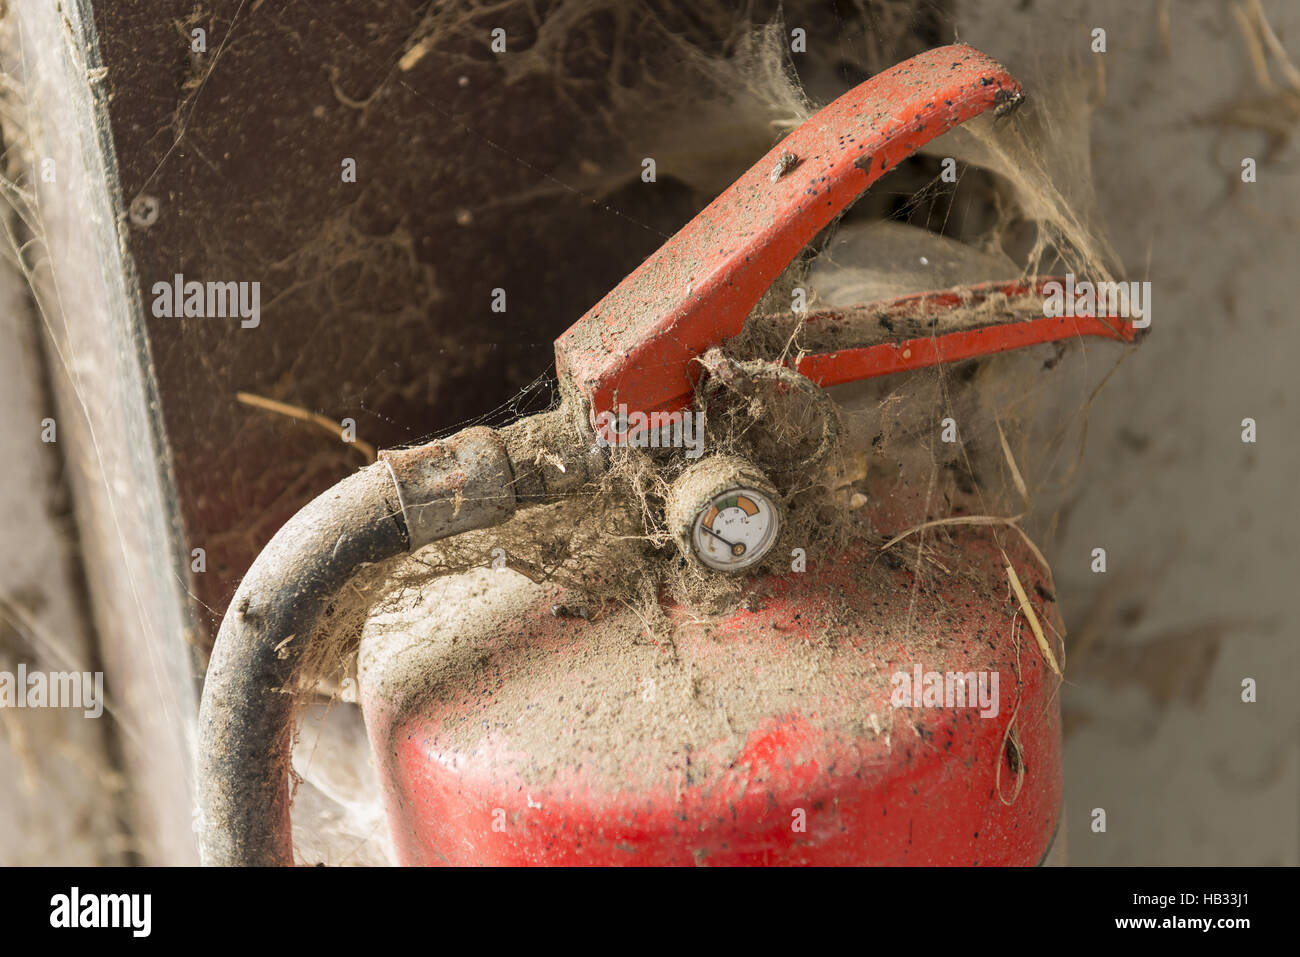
x,y
735,529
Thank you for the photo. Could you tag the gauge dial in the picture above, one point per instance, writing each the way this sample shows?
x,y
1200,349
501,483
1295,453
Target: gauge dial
x,y
735,530
724,513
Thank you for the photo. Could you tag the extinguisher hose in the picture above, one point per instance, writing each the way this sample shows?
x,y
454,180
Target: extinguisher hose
x,y
412,497
246,716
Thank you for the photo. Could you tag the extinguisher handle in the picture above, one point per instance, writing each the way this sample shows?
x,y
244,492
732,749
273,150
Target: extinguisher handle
x,y
635,347
932,328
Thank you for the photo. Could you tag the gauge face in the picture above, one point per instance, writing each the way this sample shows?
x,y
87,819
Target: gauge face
x,y
735,529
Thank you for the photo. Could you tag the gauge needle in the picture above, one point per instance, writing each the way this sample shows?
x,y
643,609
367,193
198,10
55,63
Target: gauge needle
x,y
718,537
736,548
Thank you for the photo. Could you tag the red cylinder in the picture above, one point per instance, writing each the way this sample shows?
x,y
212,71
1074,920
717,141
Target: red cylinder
x,y
510,730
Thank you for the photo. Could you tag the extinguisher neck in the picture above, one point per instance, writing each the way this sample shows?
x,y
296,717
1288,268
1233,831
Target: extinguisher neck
x,y
550,457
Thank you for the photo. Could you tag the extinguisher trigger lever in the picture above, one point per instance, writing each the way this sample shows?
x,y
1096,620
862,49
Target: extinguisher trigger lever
x,y
635,349
636,346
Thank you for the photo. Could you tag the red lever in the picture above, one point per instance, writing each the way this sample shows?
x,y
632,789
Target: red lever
x,y
635,347
1019,323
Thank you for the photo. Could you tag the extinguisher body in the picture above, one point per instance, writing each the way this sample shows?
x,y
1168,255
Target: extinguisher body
x,y
845,714
862,704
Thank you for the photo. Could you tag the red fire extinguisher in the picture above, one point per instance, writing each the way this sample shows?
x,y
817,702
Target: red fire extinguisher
x,y
892,742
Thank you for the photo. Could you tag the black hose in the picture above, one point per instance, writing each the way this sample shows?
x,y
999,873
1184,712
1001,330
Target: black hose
x,y
474,479
246,716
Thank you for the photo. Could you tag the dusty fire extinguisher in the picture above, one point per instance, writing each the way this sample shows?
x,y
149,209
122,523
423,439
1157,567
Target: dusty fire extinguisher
x,y
556,747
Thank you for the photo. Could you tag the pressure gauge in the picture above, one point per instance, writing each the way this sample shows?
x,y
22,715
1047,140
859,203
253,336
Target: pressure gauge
x,y
724,514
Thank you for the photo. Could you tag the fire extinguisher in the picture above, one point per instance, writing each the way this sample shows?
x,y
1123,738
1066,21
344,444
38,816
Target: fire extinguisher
x,y
814,768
